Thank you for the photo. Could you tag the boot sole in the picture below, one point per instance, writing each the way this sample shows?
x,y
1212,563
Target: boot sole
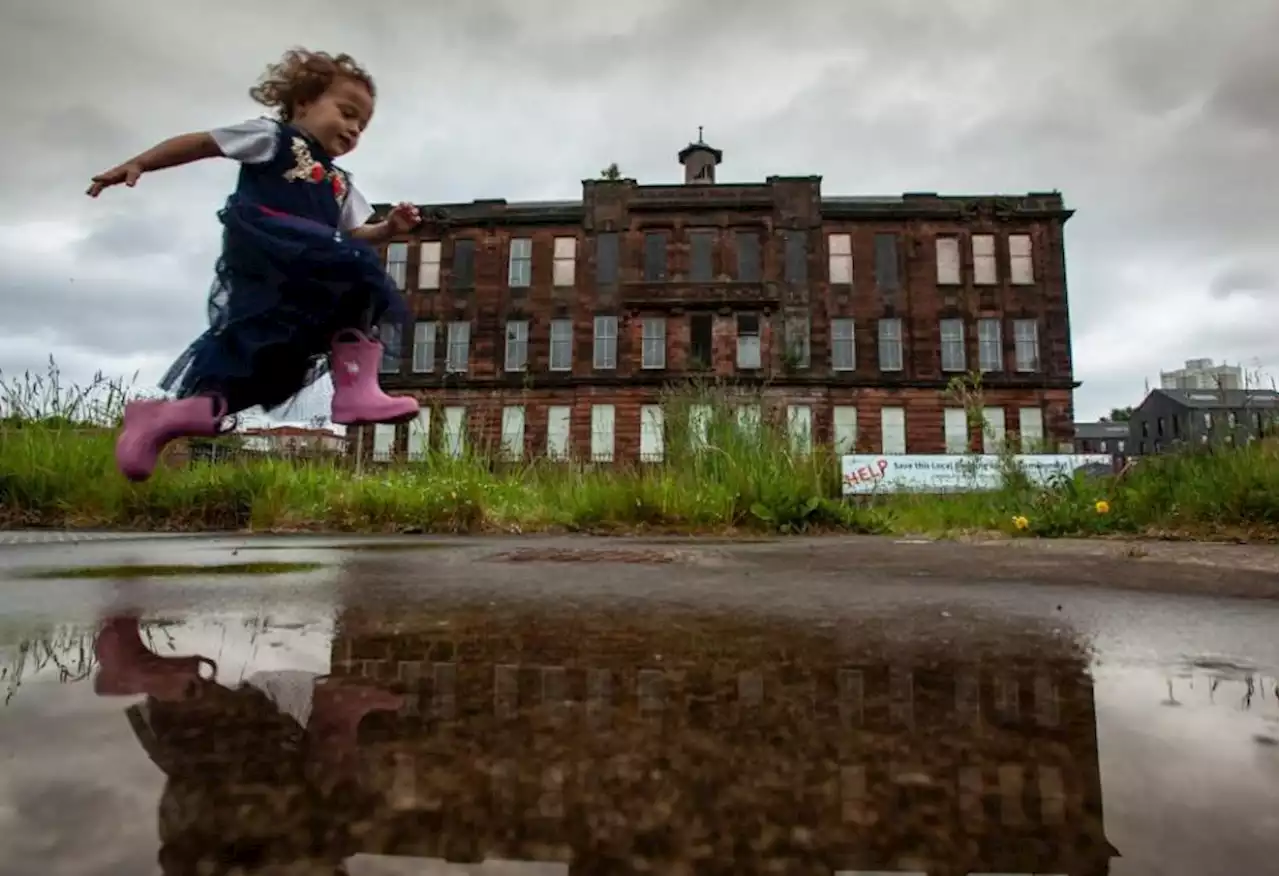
x,y
403,418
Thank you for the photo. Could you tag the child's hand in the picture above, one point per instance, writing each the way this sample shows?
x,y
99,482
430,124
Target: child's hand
x,y
127,173
403,217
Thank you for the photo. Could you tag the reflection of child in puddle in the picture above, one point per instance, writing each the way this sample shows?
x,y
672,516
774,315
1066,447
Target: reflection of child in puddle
x,y
255,773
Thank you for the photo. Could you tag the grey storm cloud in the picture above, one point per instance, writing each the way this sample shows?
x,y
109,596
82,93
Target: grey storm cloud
x,y
1157,119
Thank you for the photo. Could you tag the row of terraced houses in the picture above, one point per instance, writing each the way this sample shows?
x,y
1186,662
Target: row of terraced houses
x,y
554,328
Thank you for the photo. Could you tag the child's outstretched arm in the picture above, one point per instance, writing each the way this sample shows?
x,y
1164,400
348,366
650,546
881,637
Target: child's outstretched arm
x,y
176,151
402,218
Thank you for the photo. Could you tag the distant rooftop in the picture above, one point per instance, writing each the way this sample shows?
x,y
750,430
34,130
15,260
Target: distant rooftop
x,y
1101,430
1221,399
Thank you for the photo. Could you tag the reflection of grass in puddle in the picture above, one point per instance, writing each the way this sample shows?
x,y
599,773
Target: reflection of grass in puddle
x,y
172,571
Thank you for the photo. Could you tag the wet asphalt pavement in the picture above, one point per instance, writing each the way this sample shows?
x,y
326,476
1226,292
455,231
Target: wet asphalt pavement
x,y
670,706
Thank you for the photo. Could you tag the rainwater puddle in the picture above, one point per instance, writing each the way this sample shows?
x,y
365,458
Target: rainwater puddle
x,y
517,739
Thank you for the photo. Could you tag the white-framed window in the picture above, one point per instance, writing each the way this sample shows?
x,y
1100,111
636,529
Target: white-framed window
x,y
652,423
459,353
604,353
564,261
1021,268
384,441
602,433
429,265
1026,343
455,430
948,259
843,356
389,336
1031,429
653,342
418,444
984,259
893,431
559,419
800,428
951,332
424,346
561,358
840,259
890,343
398,262
749,418
748,354
990,345
520,262
513,432
517,353
992,430
844,428
699,426
955,430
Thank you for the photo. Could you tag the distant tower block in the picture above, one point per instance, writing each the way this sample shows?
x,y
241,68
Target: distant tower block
x,y
700,162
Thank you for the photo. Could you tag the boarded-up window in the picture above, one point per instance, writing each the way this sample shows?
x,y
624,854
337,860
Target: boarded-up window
x,y
384,441
561,358
844,428
990,345
800,428
748,341
890,343
699,426
701,249
747,244
952,337
398,262
887,262
893,430
700,340
748,419
564,261
458,353
512,432
843,354
651,433
655,255
797,257
607,257
429,265
984,259
604,353
840,259
558,419
455,430
955,430
1031,429
1021,271
797,332
389,334
653,342
992,430
948,252
419,442
602,433
464,264
424,346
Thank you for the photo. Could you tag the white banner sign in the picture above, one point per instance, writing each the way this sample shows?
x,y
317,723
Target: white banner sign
x,y
866,474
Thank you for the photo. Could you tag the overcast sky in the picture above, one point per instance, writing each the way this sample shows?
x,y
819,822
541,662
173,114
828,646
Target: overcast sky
x,y
1157,119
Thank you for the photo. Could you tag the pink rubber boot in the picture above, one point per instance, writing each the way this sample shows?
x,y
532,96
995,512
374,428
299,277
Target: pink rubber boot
x,y
151,424
357,397
127,667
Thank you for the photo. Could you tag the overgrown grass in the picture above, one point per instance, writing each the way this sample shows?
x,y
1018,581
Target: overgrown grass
x,y
57,469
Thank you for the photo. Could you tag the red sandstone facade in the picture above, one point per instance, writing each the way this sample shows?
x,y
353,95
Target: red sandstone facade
x,y
554,327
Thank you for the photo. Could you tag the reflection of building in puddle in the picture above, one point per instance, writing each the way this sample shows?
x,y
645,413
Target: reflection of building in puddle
x,y
722,745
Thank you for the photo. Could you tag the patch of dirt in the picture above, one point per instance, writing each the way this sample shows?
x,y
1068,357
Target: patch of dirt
x,y
569,555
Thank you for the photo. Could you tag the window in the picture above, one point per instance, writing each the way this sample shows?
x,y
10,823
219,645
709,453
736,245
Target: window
x,y
558,420
948,258
893,431
653,342
984,259
455,431
607,257
842,345
1031,429
655,255
419,442
1231,419
951,332
890,331
748,341
1021,272
700,340
844,428
701,250
464,264
840,259
797,330
424,346
520,262
1026,340
955,430
602,433
747,244
564,261
459,352
398,262
561,345
651,426
1160,427
796,268
992,430
800,428
699,426
990,345
748,417
389,334
429,265
512,433
1120,447
384,441
517,354
887,262
604,354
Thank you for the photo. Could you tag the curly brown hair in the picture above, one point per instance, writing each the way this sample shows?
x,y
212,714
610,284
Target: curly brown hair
x,y
302,75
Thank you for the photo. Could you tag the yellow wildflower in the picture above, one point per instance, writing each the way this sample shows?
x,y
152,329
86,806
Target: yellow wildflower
x,y
1020,522
1102,506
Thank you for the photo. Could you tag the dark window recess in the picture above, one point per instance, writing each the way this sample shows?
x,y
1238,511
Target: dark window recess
x,y
887,262
797,267
748,324
701,245
607,257
655,255
464,264
700,340
747,243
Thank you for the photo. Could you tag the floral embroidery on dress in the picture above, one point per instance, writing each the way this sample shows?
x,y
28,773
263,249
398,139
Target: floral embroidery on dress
x,y
306,168
338,179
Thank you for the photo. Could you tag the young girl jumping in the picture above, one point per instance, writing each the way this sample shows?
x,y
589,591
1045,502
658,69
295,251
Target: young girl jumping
x,y
299,286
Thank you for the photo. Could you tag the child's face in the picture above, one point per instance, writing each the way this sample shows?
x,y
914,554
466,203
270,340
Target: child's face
x,y
338,117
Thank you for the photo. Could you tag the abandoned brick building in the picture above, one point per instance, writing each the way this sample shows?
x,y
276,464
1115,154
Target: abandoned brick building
x,y
553,328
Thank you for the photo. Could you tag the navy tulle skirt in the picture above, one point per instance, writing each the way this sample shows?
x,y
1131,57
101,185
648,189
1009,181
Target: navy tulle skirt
x,y
284,286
